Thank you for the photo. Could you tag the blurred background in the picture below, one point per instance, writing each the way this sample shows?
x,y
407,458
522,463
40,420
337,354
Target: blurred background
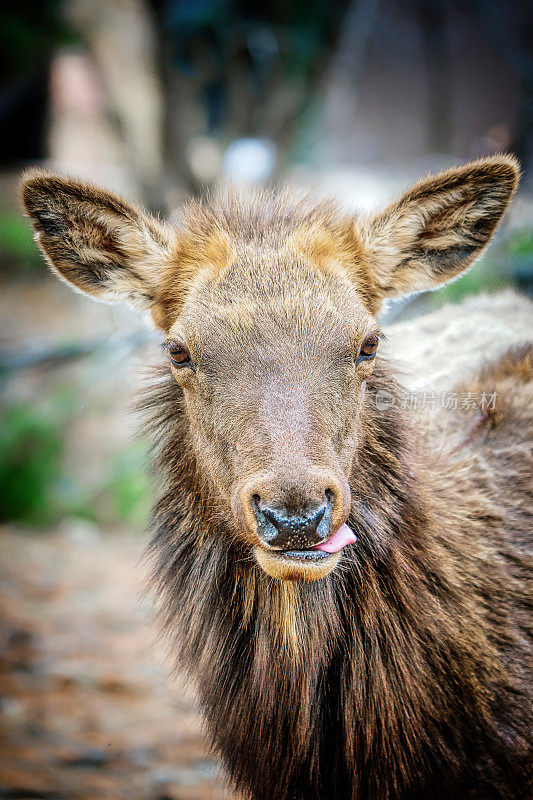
x,y
157,101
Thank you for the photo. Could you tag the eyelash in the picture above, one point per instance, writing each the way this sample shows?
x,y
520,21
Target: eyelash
x,y
177,348
368,342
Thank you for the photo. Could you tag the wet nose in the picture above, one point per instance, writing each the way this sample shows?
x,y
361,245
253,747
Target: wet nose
x,y
283,530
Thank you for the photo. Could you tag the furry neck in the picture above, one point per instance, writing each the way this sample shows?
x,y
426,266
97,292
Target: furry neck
x,y
377,643
195,550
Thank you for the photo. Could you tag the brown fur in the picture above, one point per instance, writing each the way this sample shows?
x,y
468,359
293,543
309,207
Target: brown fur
x,y
399,670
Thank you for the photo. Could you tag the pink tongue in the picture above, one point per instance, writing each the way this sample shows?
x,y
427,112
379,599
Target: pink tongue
x,y
344,536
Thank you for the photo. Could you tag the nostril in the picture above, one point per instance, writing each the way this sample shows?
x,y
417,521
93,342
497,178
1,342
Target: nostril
x,y
335,500
283,530
318,517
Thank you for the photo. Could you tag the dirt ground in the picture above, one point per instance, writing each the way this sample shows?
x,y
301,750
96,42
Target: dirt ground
x,y
87,708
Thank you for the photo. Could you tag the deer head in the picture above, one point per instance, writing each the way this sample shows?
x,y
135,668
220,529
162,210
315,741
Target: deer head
x,y
268,309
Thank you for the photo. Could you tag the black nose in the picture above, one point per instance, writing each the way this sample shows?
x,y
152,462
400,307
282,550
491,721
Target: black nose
x,y
285,531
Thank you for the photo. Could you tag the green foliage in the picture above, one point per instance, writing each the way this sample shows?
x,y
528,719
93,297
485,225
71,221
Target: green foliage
x,y
521,244
497,269
18,251
30,463
30,32
35,486
483,277
127,487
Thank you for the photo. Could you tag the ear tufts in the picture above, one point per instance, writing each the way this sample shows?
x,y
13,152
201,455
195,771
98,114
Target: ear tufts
x,y
439,227
94,240
502,170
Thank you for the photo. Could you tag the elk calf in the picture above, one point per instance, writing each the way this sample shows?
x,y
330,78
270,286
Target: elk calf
x,y
345,583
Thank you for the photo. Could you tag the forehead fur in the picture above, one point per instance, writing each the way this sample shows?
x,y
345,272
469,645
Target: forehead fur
x,y
251,239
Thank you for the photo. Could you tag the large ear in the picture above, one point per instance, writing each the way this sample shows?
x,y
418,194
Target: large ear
x,y
95,241
439,227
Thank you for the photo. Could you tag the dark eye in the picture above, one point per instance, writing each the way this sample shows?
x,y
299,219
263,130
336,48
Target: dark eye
x,y
179,355
368,348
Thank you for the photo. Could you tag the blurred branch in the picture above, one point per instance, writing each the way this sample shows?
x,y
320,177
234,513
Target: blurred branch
x,y
435,42
346,65
36,355
509,28
354,38
122,38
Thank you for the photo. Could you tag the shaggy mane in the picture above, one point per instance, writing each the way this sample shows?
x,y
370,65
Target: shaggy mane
x,y
412,654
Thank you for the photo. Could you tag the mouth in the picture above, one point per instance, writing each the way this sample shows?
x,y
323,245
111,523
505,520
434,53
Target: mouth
x,y
306,565
302,555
